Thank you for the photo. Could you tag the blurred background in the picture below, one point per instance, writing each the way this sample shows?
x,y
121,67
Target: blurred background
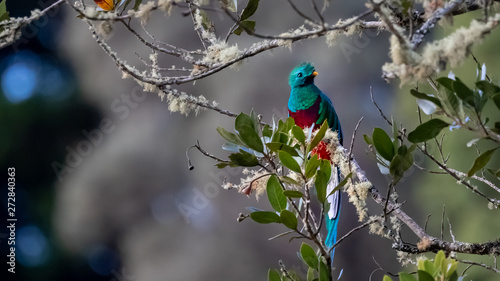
x,y
103,190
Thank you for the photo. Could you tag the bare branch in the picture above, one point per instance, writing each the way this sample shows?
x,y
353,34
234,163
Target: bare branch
x,y
11,29
481,179
419,34
479,264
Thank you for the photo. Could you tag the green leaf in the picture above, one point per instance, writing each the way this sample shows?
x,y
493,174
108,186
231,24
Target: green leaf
x,y
250,9
276,146
368,140
496,100
320,184
399,165
446,82
487,87
230,137
312,165
250,137
275,194
265,217
244,120
403,276
244,159
453,276
222,165
289,123
308,255
326,167
298,133
427,130
429,267
463,92
387,278
423,96
341,184
273,275
289,180
451,267
438,260
481,161
324,273
267,131
4,14
288,219
310,274
247,25
395,134
319,136
383,144
293,193
288,161
453,101
137,4
424,276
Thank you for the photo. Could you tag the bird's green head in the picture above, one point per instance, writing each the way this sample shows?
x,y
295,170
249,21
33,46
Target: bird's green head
x,y
302,75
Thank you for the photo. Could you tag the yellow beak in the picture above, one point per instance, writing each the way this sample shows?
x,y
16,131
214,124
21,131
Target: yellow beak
x,y
315,73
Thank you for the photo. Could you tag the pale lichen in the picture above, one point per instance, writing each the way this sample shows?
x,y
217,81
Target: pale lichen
x,y
221,53
424,244
377,227
357,188
255,181
165,6
144,12
105,29
183,103
453,50
404,258
332,36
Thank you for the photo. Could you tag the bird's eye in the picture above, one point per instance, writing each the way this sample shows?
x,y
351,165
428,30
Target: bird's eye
x,y
299,74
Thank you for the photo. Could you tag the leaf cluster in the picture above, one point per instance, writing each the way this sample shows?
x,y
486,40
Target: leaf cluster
x,y
441,269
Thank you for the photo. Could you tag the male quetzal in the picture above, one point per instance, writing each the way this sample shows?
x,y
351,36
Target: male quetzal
x,y
308,106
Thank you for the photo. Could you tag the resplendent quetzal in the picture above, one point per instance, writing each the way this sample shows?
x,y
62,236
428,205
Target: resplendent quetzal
x,y
309,106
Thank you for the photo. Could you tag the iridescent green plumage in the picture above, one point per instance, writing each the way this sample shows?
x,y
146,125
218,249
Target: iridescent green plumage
x,y
308,106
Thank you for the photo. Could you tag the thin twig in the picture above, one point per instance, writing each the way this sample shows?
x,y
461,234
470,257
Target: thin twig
x,y
285,272
426,221
479,264
481,179
451,232
379,110
299,12
352,140
351,232
429,171
318,13
281,235
442,222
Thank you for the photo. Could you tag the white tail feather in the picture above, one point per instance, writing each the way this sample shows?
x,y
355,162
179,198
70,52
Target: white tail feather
x,y
334,198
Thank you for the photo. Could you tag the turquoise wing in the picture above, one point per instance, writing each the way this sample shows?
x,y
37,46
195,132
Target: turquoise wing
x,y
327,112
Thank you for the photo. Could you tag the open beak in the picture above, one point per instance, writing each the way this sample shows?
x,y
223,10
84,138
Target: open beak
x,y
314,74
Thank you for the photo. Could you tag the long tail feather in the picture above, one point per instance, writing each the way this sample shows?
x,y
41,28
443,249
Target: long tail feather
x,y
332,217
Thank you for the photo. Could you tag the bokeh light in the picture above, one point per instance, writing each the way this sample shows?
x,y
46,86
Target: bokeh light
x,y
20,77
32,246
102,260
26,74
